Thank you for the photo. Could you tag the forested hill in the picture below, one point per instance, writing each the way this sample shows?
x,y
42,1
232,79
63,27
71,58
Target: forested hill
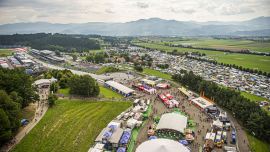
x,y
61,42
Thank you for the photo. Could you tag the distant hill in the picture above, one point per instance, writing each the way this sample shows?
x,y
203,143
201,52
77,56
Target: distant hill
x,y
146,27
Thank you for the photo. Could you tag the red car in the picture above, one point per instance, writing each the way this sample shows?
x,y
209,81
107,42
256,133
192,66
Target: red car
x,y
164,99
169,96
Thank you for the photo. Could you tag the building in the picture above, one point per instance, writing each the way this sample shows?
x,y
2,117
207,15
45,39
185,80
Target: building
x,y
202,103
162,145
115,86
43,87
110,137
173,122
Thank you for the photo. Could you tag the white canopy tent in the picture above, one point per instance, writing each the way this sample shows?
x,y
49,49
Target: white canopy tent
x,y
161,145
174,121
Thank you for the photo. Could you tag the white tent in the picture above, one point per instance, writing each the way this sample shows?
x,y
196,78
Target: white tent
x,y
162,145
172,121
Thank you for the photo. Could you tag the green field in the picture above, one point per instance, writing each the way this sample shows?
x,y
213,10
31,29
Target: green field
x,y
108,93
257,145
244,60
228,44
157,74
5,52
106,69
252,97
71,125
233,44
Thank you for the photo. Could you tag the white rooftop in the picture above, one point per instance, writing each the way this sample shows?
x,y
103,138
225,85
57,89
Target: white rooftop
x,y
174,121
161,145
203,103
119,87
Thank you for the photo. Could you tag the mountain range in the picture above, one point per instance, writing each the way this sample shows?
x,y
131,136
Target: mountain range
x,y
147,27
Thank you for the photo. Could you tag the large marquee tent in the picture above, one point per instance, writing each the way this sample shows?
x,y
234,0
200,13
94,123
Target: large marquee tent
x,y
162,145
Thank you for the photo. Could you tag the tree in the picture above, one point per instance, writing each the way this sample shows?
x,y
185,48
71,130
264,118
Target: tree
x,y
17,80
74,57
138,68
51,99
5,131
9,116
83,85
54,87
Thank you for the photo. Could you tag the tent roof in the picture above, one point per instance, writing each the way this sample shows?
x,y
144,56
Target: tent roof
x,y
161,145
42,81
119,87
172,121
203,103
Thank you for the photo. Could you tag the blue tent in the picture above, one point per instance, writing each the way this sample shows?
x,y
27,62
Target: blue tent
x,y
184,142
121,149
125,137
107,134
152,137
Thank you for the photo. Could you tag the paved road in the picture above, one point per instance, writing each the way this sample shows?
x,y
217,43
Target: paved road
x,y
50,66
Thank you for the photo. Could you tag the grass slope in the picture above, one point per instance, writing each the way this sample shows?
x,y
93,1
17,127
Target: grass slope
x,y
257,145
157,73
5,52
71,125
252,97
108,93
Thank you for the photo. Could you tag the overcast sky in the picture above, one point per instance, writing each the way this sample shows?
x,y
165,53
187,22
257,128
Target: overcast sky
x,y
81,11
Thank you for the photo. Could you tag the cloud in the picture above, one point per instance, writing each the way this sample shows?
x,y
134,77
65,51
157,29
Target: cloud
x,y
142,5
186,10
81,11
235,10
110,11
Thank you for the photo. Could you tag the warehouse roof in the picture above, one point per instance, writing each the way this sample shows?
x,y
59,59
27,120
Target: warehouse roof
x,y
119,87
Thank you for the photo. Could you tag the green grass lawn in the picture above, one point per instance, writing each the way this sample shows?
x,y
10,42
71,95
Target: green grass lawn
x,y
106,69
108,93
5,52
244,60
252,97
228,44
258,145
65,91
157,73
71,125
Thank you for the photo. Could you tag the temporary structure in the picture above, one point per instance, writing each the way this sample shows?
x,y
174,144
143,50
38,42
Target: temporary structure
x,y
162,145
172,121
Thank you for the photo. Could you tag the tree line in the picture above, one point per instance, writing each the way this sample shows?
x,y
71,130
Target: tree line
x,y
253,118
16,92
61,42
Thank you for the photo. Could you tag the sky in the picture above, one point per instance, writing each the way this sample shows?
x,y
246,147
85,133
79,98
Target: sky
x,y
82,11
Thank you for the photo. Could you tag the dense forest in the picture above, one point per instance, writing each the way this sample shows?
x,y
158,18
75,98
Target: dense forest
x,y
61,42
16,92
256,120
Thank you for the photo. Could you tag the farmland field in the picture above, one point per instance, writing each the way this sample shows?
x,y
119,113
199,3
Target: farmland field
x,y
233,44
244,60
5,52
71,125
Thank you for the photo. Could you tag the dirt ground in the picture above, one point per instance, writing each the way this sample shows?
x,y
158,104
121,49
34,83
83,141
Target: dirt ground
x,y
202,123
